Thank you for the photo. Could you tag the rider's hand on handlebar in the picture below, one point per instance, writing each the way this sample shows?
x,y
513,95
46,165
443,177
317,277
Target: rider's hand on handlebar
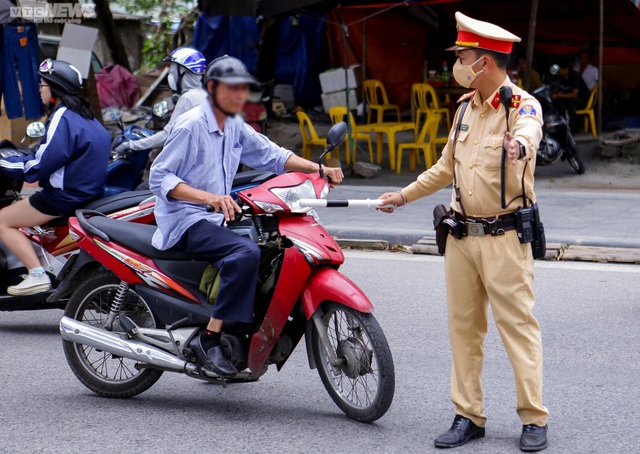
x,y
333,174
391,198
122,149
224,204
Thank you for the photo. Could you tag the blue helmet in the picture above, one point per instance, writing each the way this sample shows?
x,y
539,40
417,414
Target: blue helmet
x,y
189,58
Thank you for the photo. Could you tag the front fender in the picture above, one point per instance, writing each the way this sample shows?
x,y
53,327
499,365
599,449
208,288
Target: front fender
x,y
327,284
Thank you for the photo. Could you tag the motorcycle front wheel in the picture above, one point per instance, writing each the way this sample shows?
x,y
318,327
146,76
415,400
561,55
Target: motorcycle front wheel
x,y
364,384
574,161
103,373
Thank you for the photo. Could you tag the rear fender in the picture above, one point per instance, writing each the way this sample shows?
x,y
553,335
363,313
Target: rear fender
x,y
75,271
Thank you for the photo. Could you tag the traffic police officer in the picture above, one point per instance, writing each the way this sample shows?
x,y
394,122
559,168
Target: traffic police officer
x,y
494,268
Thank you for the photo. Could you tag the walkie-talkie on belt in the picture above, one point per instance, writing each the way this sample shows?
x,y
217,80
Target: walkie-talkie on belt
x,y
505,99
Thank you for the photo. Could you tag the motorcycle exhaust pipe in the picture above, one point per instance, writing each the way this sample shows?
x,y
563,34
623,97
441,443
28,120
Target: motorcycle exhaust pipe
x,y
81,333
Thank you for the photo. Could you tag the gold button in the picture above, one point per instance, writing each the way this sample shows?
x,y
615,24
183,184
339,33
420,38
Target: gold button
x,y
470,193
471,166
475,141
482,116
493,144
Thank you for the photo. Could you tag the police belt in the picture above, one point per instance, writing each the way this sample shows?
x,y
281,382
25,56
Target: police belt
x,y
494,226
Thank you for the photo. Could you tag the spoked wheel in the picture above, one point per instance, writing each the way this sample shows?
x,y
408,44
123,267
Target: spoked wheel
x,y
364,383
100,371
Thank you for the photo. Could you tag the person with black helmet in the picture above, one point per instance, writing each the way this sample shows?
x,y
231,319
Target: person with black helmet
x,y
70,165
186,67
196,169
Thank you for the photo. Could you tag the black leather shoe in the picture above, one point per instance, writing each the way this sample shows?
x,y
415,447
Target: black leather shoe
x,y
462,430
214,359
534,438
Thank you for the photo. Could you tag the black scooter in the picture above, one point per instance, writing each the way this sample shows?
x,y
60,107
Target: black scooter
x,y
557,142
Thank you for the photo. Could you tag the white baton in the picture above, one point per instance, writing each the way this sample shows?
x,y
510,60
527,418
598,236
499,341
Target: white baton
x,y
352,203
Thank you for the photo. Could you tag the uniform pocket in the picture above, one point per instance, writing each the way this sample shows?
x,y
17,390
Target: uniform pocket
x,y
492,150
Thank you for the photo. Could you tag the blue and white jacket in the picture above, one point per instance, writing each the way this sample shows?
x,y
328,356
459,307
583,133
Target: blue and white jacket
x,y
70,163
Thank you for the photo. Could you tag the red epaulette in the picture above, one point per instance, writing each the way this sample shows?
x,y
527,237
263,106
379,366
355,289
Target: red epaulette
x,y
467,96
515,100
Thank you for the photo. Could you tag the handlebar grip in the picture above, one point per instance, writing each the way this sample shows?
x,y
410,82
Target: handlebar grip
x,y
210,209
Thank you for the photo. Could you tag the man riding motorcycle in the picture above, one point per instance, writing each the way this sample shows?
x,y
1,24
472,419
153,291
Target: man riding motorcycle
x,y
187,66
196,169
70,164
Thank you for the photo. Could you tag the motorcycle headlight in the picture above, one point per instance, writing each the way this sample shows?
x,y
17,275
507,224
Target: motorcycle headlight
x,y
291,196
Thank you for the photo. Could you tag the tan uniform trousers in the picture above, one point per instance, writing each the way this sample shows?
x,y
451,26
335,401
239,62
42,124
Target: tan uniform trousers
x,y
499,270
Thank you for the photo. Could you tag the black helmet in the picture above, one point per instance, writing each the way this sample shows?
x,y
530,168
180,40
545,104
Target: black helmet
x,y
228,70
62,75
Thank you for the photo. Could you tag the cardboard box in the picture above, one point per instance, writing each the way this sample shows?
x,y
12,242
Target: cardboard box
x,y
15,130
333,80
339,98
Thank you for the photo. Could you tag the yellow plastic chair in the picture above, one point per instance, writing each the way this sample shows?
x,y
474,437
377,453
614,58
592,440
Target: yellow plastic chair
x,y
589,112
426,101
310,137
373,88
430,128
337,115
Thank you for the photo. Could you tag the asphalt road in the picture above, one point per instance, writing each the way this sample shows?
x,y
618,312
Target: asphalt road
x,y
589,314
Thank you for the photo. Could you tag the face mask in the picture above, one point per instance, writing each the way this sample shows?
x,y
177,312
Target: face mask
x,y
464,74
172,82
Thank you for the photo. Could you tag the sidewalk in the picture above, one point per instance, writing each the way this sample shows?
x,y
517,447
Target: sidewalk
x,y
591,217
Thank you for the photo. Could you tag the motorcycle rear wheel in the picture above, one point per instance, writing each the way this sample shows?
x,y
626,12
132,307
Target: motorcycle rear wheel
x,y
364,386
100,371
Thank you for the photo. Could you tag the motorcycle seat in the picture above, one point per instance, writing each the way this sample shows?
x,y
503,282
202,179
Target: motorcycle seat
x,y
109,205
136,237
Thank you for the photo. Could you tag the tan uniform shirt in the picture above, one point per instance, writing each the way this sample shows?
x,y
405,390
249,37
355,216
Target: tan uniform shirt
x,y
478,155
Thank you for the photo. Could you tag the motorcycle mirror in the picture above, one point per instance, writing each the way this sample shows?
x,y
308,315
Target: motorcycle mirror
x,y
161,109
554,70
36,129
336,135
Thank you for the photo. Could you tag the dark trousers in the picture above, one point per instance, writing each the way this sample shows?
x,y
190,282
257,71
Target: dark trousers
x,y
21,47
237,259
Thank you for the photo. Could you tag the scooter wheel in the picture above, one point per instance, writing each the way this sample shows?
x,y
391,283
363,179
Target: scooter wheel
x,y
103,373
363,384
576,164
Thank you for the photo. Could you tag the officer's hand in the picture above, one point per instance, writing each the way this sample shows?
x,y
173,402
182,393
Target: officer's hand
x,y
334,174
513,148
391,198
123,147
224,204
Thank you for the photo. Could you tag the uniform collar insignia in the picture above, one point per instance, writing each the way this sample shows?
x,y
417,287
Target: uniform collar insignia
x,y
515,100
495,102
467,95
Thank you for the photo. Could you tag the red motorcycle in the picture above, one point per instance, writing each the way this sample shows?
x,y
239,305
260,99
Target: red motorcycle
x,y
124,326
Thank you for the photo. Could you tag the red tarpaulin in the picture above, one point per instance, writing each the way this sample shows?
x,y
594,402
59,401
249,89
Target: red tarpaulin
x,y
397,48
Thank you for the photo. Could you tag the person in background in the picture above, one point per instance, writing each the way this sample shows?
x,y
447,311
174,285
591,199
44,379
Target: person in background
x,y
570,90
70,165
588,72
534,79
186,68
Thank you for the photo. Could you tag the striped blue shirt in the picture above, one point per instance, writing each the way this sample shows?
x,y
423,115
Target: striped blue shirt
x,y
199,154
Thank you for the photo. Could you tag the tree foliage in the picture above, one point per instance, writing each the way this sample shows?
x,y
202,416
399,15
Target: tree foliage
x,y
159,32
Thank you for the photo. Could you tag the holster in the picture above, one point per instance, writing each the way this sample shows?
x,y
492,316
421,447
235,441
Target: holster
x,y
440,214
539,243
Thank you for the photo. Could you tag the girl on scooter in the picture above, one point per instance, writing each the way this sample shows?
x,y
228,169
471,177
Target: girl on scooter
x,y
70,165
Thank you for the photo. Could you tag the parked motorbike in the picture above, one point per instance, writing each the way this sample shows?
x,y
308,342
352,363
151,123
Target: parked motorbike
x,y
557,141
255,109
126,325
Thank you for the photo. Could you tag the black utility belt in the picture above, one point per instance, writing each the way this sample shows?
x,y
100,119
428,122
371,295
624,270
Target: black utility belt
x,y
494,226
